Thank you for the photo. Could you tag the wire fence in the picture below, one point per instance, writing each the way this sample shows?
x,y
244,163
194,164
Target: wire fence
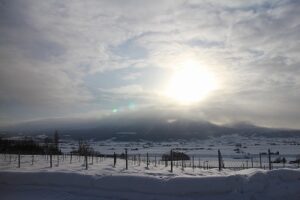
x,y
170,160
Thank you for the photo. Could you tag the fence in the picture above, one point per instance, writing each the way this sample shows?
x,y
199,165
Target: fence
x,y
170,160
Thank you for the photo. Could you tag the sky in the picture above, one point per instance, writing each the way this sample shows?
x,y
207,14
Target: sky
x,y
96,59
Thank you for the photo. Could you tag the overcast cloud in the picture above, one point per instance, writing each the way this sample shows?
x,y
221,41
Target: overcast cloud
x,y
95,58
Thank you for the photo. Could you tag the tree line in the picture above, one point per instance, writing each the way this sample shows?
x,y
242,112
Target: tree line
x,y
29,146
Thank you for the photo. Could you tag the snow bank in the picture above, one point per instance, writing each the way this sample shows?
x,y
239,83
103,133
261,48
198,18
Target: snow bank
x,y
249,184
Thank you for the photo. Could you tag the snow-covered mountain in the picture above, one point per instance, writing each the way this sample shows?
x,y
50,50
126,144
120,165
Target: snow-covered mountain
x,y
144,127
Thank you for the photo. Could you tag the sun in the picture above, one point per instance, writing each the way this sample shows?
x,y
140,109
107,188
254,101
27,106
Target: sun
x,y
190,83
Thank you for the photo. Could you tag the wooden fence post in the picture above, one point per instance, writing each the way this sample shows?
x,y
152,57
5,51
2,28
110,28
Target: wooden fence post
x,y
32,159
126,157
71,158
283,162
147,160
86,161
115,159
220,160
269,155
193,162
171,157
260,164
182,164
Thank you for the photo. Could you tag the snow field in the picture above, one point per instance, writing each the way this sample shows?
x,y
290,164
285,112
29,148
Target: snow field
x,y
103,181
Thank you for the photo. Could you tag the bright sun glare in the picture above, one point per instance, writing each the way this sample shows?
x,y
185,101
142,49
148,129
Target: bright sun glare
x,y
190,83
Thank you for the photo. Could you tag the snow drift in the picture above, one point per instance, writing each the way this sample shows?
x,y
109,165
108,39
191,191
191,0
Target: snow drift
x,y
248,184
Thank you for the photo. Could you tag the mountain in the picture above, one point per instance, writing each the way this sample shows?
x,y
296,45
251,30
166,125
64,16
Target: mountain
x,y
153,128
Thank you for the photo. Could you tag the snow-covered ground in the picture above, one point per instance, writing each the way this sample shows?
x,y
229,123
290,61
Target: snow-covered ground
x,y
227,144
68,178
237,151
103,181
288,146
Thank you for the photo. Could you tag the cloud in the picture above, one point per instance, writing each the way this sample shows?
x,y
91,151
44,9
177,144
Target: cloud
x,y
132,76
48,50
124,90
